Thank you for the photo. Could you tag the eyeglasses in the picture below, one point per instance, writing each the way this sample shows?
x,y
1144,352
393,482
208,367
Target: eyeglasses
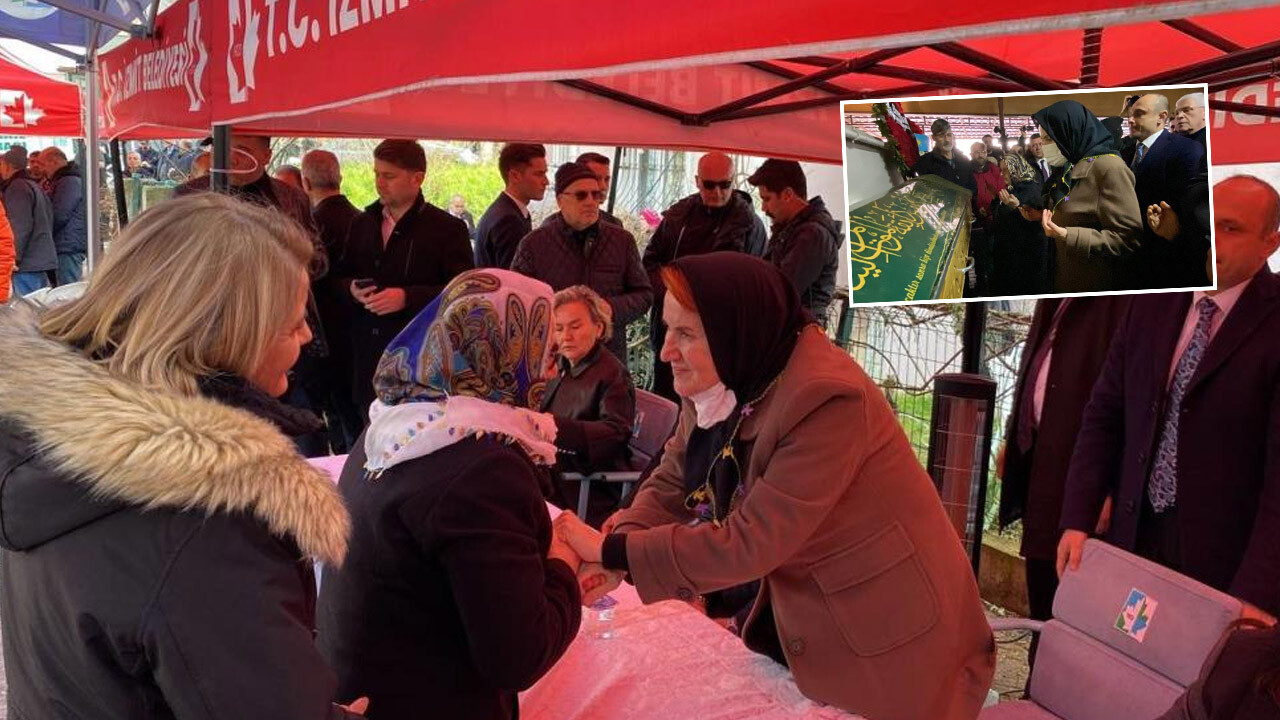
x,y
714,184
582,195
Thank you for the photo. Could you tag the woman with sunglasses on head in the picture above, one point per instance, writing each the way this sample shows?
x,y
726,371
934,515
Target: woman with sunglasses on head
x,y
576,248
788,466
1091,208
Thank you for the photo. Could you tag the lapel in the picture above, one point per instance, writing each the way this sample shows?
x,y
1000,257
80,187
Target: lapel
x,y
1256,303
1150,164
1165,330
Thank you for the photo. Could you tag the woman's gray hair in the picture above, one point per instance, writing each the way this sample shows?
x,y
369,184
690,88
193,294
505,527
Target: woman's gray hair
x,y
600,311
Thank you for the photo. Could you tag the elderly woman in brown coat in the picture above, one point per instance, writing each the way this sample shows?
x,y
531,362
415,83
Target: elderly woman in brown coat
x,y
1091,212
789,467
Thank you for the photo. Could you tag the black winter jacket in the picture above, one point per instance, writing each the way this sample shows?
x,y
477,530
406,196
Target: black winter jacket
x,y
807,250
605,260
150,572
447,605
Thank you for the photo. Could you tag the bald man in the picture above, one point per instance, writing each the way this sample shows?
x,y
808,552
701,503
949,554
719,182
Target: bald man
x,y
1164,165
1182,423
70,230
716,217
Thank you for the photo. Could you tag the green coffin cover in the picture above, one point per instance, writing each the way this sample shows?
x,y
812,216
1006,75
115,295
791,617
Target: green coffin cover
x,y
900,245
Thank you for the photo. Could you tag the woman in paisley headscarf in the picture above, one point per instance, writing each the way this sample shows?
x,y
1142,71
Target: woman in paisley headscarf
x,y
1091,208
454,596
789,467
1022,257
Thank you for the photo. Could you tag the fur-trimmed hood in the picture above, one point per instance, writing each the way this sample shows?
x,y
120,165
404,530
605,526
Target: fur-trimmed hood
x,y
128,445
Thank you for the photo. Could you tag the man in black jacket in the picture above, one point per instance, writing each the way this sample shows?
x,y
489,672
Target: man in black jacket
x,y
717,217
524,170
333,214
251,182
31,218
400,254
805,244
944,160
576,248
70,231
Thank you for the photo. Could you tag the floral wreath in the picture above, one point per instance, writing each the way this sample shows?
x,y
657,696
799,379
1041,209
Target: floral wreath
x,y
899,132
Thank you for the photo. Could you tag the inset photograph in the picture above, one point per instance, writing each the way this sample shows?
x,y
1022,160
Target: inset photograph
x,y
1028,194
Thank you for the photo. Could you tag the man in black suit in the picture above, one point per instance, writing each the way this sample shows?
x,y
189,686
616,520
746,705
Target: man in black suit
x,y
1035,155
1183,426
401,252
506,222
1064,353
1163,165
333,214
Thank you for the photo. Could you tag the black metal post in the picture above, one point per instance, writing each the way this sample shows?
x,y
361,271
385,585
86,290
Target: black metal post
x,y
219,180
616,172
975,325
122,208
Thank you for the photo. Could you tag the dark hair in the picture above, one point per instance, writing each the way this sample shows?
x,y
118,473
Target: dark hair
x,y
1034,136
593,157
518,155
778,175
404,154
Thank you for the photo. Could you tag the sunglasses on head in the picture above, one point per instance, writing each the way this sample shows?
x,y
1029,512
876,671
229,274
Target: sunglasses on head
x,y
714,184
582,195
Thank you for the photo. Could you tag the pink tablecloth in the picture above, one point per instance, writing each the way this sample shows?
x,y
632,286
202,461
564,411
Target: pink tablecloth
x,y
665,660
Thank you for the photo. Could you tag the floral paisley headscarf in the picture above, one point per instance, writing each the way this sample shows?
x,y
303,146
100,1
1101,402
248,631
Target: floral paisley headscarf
x,y
469,365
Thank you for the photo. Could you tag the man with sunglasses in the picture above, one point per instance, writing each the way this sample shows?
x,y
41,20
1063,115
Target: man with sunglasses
x,y
575,248
805,244
717,217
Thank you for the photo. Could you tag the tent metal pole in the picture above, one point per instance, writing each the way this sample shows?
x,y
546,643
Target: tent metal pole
x,y
97,16
151,17
995,65
1194,71
782,72
122,207
617,168
842,68
1203,34
49,47
94,164
985,84
1244,108
219,180
627,99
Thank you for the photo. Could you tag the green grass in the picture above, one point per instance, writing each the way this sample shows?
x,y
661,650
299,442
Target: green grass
x,y
477,184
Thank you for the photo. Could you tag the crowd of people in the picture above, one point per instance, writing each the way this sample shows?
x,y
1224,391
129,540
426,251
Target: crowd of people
x,y
43,234
1079,208
469,389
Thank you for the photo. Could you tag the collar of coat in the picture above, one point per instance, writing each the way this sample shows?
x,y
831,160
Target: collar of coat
x,y
157,449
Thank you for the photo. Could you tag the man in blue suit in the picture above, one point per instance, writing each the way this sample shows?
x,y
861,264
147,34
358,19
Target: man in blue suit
x,y
1182,429
1164,164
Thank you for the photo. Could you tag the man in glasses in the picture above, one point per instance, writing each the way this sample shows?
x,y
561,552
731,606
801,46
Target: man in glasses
x,y
599,165
717,217
576,248
806,240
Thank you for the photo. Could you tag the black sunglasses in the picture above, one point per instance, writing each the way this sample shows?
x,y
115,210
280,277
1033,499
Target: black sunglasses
x,y
713,184
582,195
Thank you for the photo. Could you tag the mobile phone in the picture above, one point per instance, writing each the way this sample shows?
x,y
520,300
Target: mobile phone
x,y
363,283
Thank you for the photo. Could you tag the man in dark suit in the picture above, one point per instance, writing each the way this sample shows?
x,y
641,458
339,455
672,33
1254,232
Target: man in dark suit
x,y
507,221
1183,427
1061,360
401,252
1163,165
1035,156
333,214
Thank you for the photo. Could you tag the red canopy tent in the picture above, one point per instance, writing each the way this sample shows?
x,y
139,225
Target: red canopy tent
x,y
32,104
733,75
